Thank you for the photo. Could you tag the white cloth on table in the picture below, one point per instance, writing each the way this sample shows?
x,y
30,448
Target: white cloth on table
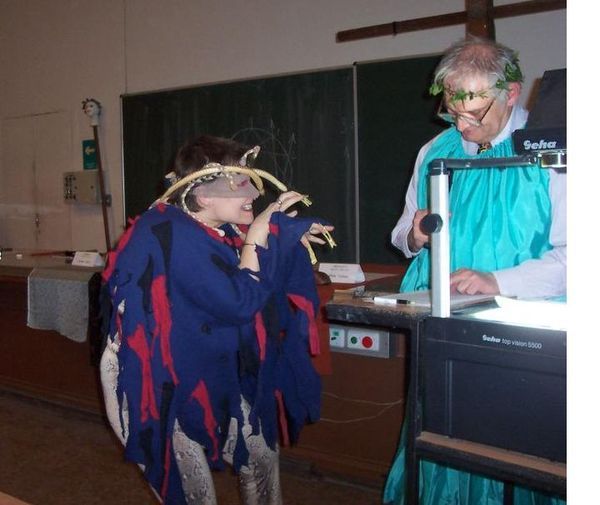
x,y
58,299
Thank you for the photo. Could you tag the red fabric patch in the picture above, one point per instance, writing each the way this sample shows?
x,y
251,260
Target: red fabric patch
x,y
274,229
283,425
138,343
306,306
261,335
162,318
200,394
237,241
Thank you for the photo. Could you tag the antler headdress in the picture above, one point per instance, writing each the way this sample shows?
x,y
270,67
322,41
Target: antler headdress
x,y
212,171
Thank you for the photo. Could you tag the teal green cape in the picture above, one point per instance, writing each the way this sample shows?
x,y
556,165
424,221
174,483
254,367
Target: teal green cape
x,y
500,217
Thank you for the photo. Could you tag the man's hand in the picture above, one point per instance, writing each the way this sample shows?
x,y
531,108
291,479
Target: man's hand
x,y
472,282
416,238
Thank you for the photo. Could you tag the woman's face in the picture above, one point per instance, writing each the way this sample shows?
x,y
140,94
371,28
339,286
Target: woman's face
x,y
217,210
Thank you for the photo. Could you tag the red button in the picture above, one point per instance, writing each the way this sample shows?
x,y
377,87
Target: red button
x,y
367,342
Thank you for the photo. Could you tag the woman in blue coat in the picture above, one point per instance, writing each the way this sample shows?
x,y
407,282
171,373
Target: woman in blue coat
x,y
211,329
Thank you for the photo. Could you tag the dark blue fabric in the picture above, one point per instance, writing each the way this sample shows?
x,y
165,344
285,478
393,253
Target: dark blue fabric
x,y
213,305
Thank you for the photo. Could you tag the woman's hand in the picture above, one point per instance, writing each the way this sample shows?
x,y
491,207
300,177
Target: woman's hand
x,y
259,229
311,236
318,229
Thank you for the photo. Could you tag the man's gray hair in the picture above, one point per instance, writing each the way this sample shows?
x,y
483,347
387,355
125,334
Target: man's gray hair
x,y
478,57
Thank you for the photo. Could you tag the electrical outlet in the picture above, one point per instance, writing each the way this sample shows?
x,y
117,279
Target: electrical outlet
x,y
81,187
366,341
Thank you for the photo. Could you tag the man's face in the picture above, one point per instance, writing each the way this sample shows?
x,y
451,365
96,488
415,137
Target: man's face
x,y
491,111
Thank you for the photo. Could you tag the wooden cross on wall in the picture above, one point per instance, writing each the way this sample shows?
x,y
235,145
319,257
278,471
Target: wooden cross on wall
x,y
478,18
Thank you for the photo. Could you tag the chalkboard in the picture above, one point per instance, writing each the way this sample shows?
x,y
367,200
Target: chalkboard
x,y
304,124
396,116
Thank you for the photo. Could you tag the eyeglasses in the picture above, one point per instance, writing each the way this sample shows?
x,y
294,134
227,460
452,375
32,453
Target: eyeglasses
x,y
452,117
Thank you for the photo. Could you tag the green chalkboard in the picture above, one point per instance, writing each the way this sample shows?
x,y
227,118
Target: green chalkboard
x,y
304,124
396,116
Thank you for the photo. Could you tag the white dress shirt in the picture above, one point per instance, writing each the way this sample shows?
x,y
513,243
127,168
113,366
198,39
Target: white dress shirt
x,y
543,277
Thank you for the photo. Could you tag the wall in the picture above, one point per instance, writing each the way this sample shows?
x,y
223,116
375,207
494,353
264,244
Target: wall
x,y
55,54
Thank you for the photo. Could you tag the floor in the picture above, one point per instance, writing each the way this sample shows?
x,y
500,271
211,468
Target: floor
x,y
50,455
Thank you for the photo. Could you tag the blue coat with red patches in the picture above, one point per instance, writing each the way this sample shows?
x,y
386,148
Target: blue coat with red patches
x,y
197,332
